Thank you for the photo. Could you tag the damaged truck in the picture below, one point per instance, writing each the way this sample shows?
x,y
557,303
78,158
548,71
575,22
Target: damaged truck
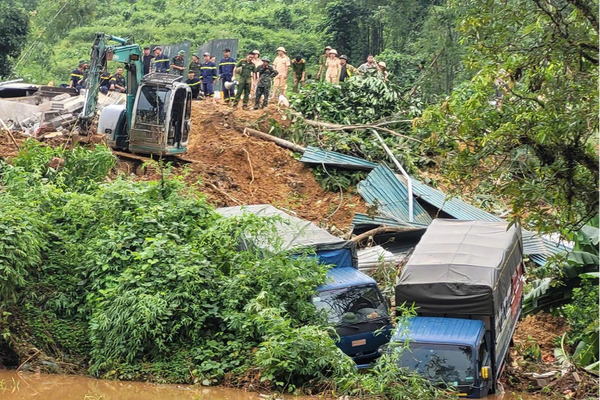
x,y
466,280
350,300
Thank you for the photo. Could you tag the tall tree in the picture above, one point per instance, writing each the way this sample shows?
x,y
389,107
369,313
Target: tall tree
x,y
14,25
525,128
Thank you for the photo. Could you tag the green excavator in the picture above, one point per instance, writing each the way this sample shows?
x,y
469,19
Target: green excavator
x,y
156,117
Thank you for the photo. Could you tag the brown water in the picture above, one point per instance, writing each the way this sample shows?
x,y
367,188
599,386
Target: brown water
x,y
26,386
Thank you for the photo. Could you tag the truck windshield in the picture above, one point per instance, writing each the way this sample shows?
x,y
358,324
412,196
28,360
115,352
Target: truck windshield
x,y
352,305
452,365
152,105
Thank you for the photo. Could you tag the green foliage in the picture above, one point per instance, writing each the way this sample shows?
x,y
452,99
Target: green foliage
x,y
334,180
14,26
360,99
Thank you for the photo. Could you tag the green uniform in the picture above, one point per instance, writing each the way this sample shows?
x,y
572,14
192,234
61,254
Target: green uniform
x,y
298,67
322,66
195,66
244,81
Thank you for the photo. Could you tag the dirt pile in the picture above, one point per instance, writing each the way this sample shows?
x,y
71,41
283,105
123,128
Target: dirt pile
x,y
239,169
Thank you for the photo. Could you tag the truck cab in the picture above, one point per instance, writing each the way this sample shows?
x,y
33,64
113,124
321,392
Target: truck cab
x,y
354,304
452,352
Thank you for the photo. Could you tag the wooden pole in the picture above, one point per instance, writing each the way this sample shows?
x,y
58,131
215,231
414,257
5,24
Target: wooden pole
x,y
276,140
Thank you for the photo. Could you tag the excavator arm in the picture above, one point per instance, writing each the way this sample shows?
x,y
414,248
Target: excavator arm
x,y
127,53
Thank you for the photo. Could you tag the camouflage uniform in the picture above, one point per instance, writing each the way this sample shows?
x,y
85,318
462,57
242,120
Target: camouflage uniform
x,y
244,81
178,61
265,74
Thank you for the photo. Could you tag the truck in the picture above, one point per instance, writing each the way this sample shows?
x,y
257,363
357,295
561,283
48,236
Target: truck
x,y
350,299
466,281
156,116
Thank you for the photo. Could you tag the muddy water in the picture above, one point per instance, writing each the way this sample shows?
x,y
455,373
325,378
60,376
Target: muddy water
x,y
26,386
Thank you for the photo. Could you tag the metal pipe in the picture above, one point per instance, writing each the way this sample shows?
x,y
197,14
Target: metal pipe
x,y
13,81
404,174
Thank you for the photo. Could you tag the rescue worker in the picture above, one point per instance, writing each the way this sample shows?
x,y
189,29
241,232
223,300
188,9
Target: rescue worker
x,y
147,59
282,65
195,65
333,67
226,71
105,82
383,72
370,68
257,64
245,70
322,60
194,83
161,61
347,71
299,71
178,64
117,82
265,74
77,76
208,70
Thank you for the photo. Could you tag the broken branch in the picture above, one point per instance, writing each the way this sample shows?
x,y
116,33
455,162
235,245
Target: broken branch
x,y
276,140
379,231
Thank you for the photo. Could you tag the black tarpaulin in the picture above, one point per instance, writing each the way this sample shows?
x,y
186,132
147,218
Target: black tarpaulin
x,y
461,267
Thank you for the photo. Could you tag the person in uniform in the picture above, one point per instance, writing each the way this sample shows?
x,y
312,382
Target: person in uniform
x,y
322,60
265,74
245,70
105,82
195,65
226,71
299,71
147,59
257,63
208,70
77,75
333,67
194,83
178,64
161,61
347,71
117,82
282,65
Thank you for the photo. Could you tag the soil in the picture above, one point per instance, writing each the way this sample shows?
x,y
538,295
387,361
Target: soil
x,y
237,169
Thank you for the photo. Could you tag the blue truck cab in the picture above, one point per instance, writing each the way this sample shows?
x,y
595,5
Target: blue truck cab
x,y
466,280
349,299
354,304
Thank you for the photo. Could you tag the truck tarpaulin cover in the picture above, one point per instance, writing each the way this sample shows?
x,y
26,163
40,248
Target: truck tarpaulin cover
x,y
461,268
298,235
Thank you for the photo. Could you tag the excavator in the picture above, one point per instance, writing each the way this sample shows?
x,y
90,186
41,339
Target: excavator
x,y
156,117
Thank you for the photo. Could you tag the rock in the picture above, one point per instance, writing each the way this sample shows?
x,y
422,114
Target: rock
x,y
50,366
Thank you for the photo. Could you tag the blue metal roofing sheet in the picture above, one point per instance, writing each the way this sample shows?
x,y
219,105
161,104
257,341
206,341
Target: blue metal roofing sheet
x,y
384,190
317,156
440,330
338,278
364,219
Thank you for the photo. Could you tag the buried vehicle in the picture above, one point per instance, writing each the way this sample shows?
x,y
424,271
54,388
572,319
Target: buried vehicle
x,y
350,299
466,280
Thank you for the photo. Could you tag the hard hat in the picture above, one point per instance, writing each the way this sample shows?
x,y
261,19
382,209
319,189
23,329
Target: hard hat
x,y
343,57
266,59
333,51
281,49
256,52
207,54
328,48
181,52
229,85
382,64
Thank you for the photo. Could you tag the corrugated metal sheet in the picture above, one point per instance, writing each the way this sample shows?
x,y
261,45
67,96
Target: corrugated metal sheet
x,y
372,257
317,156
366,220
215,47
383,190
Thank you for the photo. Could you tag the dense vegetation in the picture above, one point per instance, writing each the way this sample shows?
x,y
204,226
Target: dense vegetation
x,y
144,280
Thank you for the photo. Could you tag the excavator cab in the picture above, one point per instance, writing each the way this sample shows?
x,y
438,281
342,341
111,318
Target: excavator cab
x,y
160,122
160,118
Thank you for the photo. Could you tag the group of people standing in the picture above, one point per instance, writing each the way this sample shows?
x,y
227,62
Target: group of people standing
x,y
255,75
